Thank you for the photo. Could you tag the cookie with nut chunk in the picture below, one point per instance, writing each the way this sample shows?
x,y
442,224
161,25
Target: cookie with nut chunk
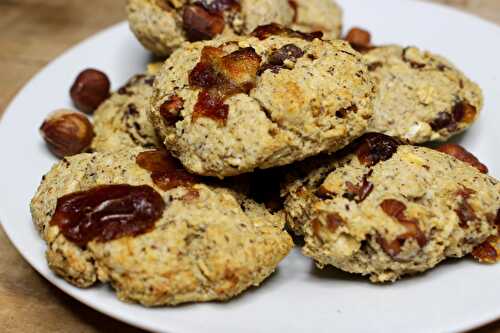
x,y
159,235
163,25
230,106
384,209
421,96
122,121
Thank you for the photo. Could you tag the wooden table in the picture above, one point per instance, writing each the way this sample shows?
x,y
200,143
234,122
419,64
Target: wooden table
x,y
32,32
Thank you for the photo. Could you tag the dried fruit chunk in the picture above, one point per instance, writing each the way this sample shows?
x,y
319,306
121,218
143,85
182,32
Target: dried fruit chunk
x,y
333,222
166,172
200,24
443,120
204,19
278,59
90,89
222,76
359,39
204,74
342,113
375,147
396,210
324,193
265,31
488,252
462,112
210,106
67,133
464,210
359,192
170,110
109,212
240,67
463,155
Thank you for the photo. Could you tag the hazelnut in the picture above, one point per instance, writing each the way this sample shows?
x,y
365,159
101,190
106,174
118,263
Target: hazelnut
x,y
359,39
89,90
67,133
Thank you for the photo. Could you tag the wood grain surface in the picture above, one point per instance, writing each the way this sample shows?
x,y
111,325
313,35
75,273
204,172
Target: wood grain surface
x,y
33,32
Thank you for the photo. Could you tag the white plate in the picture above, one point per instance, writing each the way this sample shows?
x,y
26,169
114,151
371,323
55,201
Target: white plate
x,y
457,295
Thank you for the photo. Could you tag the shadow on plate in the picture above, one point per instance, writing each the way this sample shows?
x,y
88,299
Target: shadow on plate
x,y
331,273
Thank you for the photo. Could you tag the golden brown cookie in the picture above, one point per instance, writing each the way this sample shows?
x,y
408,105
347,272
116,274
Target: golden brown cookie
x,y
158,235
386,210
230,106
421,96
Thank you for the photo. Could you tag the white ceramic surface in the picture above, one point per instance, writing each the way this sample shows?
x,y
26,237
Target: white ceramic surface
x,y
457,295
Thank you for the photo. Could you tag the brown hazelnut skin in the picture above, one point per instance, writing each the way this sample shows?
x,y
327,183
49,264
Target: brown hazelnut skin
x,y
67,133
90,89
359,39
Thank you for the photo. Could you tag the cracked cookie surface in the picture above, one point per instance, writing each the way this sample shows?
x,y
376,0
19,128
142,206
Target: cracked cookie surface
x,y
208,244
122,121
230,106
387,210
421,96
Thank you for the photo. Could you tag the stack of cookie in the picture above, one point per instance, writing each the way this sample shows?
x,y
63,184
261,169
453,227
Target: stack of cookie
x,y
259,124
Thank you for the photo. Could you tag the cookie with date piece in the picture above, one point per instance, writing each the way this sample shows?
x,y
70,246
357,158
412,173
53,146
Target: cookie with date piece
x,y
160,236
384,209
163,25
421,96
230,106
122,121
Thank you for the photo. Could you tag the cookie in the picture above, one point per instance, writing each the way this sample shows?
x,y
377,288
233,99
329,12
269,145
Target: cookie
x,y
229,106
122,121
421,96
318,15
387,210
163,25
160,236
